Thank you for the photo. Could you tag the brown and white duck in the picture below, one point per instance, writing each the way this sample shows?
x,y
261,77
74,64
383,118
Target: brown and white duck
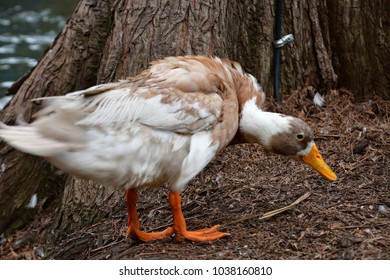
x,y
162,126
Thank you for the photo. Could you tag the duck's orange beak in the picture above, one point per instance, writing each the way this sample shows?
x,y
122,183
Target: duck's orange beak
x,y
315,161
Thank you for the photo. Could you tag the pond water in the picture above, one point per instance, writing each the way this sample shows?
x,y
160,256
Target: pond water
x,y
27,28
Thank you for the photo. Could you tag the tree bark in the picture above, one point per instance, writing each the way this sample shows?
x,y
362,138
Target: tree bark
x,y
359,33
337,44
70,64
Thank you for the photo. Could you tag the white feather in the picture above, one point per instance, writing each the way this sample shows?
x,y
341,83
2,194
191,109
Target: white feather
x,y
318,100
33,201
200,154
260,124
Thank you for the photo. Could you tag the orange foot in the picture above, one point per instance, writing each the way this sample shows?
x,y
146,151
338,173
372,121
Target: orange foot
x,y
133,228
179,224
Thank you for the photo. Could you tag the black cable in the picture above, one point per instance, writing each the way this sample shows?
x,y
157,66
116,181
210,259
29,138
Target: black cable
x,y
277,51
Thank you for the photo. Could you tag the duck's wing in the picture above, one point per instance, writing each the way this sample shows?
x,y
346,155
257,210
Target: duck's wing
x,y
123,105
161,108
175,94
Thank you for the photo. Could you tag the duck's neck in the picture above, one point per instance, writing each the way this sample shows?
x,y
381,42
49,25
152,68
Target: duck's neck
x,y
259,126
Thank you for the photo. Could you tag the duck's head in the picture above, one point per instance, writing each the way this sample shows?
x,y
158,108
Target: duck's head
x,y
283,135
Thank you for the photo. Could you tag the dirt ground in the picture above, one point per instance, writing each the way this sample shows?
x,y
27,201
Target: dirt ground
x,y
346,219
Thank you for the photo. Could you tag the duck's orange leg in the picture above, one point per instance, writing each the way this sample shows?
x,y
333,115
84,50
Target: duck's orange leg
x,y
179,224
133,228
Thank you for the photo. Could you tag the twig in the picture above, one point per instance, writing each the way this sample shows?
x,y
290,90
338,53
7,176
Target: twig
x,y
271,213
108,245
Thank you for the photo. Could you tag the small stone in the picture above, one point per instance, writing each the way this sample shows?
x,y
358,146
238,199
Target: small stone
x,y
3,240
360,148
383,209
39,251
368,232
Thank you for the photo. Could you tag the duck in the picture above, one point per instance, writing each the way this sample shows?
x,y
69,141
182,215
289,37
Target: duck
x,y
162,126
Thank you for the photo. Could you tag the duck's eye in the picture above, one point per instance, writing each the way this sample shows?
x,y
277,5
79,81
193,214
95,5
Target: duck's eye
x,y
300,136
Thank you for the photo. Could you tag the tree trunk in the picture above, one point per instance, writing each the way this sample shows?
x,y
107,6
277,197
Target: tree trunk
x,y
70,64
337,44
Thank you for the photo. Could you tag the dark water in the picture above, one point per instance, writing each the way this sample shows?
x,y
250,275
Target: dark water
x,y
27,28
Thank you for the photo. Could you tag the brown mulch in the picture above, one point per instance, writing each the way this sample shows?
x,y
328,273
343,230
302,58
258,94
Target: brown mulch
x,y
346,219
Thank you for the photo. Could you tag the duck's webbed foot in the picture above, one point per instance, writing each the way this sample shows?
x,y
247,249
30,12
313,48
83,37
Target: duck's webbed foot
x,y
133,228
179,224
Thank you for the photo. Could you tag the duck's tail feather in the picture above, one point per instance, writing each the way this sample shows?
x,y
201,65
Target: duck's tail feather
x,y
29,140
